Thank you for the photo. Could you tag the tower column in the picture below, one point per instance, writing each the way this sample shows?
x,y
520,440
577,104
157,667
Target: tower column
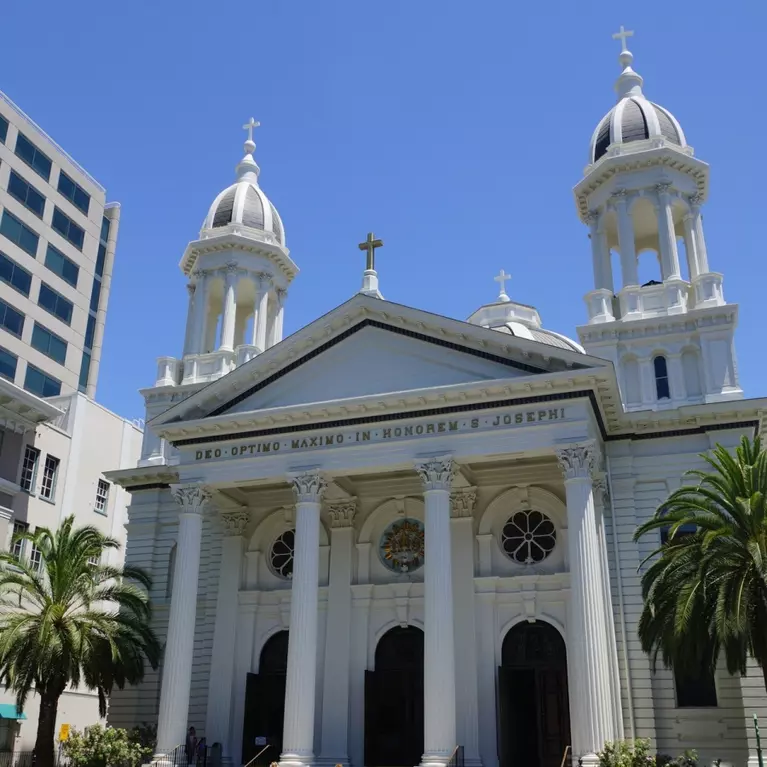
x,y
230,307
276,335
626,240
260,316
179,648
591,710
691,246
197,344
439,642
669,257
600,253
298,729
188,335
700,240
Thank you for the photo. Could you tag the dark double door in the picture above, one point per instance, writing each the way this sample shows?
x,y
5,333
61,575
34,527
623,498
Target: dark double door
x,y
265,703
394,701
533,708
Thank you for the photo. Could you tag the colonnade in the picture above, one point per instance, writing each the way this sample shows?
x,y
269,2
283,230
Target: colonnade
x,y
595,713
662,198
266,310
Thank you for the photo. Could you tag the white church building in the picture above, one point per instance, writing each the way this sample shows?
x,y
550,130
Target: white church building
x,y
394,533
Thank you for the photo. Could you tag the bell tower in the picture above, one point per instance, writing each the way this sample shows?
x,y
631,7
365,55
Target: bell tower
x,y
671,338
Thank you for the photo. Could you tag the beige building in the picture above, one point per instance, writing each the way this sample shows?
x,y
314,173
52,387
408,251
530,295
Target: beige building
x,y
57,246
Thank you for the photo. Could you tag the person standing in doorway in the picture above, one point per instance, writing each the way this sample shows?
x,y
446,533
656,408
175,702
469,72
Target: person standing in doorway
x,y
191,746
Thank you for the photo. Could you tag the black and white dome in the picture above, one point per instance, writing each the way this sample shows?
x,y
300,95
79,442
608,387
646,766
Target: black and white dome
x,y
244,204
633,118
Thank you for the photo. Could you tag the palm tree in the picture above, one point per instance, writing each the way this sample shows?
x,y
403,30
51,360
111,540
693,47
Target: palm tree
x,y
67,620
706,593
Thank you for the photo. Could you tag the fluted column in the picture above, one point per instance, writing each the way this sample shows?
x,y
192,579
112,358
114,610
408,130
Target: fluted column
x,y
276,331
230,308
690,245
189,332
261,317
298,730
600,253
700,240
197,345
439,643
626,240
588,654
217,729
179,647
335,693
669,257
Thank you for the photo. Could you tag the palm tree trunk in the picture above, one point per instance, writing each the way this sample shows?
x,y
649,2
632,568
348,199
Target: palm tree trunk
x,y
46,730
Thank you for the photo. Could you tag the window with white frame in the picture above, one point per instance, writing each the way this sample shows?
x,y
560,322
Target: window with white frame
x,y
35,558
50,474
18,546
102,496
29,469
95,560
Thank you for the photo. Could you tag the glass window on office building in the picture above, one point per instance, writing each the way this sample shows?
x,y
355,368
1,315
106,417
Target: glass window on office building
x,y
29,469
74,192
32,156
50,475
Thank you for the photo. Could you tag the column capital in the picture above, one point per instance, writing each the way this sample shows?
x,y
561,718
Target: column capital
x,y
308,486
436,473
234,522
342,513
190,288
663,188
620,197
264,280
602,490
462,502
192,498
578,461
695,200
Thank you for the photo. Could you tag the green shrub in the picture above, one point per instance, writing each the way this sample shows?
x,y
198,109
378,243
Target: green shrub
x,y
99,746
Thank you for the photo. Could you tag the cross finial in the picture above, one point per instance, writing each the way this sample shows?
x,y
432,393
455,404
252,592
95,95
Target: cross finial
x,y
249,125
622,35
501,280
370,245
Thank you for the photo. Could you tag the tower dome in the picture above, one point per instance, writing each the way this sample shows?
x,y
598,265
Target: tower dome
x,y
244,204
633,118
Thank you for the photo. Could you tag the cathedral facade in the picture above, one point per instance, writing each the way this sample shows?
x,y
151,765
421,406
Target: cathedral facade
x,y
393,534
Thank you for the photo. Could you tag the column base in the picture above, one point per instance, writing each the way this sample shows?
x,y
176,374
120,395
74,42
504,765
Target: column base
x,y
295,759
436,759
587,760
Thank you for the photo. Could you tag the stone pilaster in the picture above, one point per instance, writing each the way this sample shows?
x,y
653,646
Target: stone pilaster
x,y
588,653
218,729
439,645
467,703
179,647
335,693
298,731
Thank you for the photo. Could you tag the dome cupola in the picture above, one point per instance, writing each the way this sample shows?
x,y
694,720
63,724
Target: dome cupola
x,y
243,205
633,118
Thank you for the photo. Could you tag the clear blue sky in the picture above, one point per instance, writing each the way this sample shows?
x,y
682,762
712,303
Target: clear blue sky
x,y
454,130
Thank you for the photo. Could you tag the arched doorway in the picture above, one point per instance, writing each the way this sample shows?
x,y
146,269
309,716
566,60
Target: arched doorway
x,y
265,703
533,710
394,700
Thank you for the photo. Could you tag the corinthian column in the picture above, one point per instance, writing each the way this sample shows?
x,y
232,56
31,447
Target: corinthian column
x,y
298,730
217,728
439,643
230,307
667,234
588,653
626,242
179,647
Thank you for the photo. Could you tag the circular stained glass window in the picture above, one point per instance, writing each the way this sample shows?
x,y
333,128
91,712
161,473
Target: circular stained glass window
x,y
402,544
281,555
528,537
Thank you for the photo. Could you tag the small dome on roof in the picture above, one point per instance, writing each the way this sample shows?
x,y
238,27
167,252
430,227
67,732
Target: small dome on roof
x,y
633,118
244,203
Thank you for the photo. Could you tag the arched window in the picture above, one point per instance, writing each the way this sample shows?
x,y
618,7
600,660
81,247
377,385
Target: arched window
x,y
661,378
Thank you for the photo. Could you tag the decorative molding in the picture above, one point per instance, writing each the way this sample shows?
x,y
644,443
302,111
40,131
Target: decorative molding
x,y
695,200
462,502
577,461
436,473
265,280
602,490
191,498
308,487
663,188
234,522
231,267
342,513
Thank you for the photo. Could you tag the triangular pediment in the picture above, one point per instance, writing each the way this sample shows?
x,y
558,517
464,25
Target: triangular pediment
x,y
369,347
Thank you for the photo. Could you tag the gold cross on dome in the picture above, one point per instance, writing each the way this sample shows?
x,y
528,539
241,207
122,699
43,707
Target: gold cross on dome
x,y
249,125
622,35
370,245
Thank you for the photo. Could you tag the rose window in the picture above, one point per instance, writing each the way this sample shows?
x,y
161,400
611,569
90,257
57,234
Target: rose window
x,y
402,546
281,555
528,537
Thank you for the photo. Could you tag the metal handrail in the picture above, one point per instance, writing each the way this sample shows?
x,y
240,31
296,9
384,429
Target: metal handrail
x,y
257,755
564,756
